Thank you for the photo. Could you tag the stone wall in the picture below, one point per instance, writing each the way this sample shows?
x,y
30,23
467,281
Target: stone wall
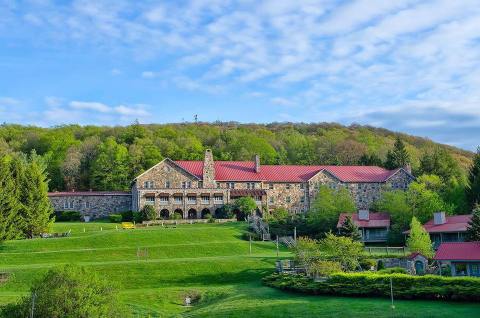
x,y
163,172
92,204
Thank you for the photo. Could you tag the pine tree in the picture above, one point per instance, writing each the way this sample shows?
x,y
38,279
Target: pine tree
x,y
473,228
419,240
37,209
397,157
9,205
473,189
349,229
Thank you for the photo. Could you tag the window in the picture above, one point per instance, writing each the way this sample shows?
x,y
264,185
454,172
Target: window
x,y
219,185
231,185
149,185
200,184
177,200
191,199
87,205
167,184
250,185
205,199
218,199
271,200
186,184
68,205
302,200
288,199
258,198
150,200
163,200
270,186
302,186
288,186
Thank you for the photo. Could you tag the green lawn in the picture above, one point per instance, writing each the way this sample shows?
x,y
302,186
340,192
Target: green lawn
x,y
208,258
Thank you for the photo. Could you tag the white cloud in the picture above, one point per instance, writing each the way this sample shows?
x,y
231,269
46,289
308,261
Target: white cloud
x,y
149,74
282,101
95,106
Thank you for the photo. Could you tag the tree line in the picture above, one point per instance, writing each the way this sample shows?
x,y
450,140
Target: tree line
x,y
108,158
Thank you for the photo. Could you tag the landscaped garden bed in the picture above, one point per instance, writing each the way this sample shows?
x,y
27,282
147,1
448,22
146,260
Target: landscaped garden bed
x,y
378,285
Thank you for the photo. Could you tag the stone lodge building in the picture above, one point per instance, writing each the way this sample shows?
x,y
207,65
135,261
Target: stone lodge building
x,y
196,188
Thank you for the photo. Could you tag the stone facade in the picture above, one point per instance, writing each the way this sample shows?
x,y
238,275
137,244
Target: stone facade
x,y
91,204
170,188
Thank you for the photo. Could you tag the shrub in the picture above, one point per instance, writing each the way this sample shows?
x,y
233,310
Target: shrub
x,y
137,217
148,213
325,268
115,218
392,270
69,291
67,216
127,216
380,265
368,263
175,216
378,285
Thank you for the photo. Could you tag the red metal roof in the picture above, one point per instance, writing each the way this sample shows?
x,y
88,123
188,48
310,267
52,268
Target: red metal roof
x,y
376,219
454,223
87,193
245,171
247,192
463,251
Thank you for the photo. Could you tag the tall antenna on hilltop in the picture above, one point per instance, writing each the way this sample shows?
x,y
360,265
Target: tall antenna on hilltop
x,y
195,117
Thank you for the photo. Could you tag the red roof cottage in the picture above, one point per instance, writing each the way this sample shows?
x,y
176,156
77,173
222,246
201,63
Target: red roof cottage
x,y
463,257
373,226
447,228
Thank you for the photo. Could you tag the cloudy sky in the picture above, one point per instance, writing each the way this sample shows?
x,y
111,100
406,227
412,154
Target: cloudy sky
x,y
410,66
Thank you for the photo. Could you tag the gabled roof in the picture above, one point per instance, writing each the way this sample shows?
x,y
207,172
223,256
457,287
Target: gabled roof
x,y
464,251
245,171
175,163
376,219
454,223
87,193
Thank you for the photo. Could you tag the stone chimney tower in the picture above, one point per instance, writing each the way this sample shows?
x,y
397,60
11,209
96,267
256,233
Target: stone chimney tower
x,y
208,170
257,163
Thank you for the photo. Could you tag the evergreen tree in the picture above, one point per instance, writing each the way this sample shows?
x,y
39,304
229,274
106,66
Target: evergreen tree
x,y
473,228
36,208
473,189
370,160
349,229
419,240
398,157
9,204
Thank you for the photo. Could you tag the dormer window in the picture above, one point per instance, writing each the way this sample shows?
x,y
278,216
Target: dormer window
x,y
250,185
149,184
167,184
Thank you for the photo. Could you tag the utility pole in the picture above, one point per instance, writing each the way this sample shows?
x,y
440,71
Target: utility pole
x,y
277,245
295,234
250,244
391,292
33,304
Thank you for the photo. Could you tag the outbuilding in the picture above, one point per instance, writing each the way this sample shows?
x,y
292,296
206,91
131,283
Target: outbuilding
x,y
462,257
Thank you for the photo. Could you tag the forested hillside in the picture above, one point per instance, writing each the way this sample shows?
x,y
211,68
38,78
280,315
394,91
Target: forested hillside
x,y
107,158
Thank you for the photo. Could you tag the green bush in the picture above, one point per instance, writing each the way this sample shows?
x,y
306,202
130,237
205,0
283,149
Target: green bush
x,y
66,216
392,270
148,213
137,217
69,291
115,218
127,216
378,285
175,216
368,263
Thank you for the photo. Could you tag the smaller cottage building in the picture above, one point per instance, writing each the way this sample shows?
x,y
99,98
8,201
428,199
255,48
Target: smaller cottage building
x,y
373,226
463,257
446,228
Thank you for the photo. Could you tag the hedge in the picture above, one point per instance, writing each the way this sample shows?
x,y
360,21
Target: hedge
x,y
115,218
63,216
378,285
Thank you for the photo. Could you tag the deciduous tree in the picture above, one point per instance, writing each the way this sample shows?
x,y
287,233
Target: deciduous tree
x,y
419,240
473,228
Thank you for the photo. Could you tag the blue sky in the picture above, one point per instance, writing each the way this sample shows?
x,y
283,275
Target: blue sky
x,y
410,66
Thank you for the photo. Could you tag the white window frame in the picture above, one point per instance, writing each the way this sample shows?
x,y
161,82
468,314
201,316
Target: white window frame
x,y
177,200
149,201
164,200
205,199
167,184
190,201
218,199
231,185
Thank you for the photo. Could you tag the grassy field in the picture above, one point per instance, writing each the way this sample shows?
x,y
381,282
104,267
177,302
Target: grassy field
x,y
208,258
